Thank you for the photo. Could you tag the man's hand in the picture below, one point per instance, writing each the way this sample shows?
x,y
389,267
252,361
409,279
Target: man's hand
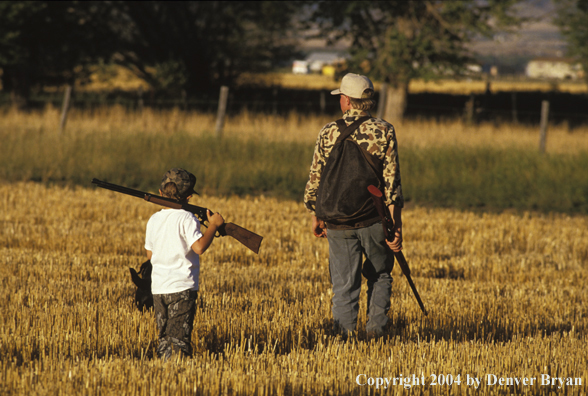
x,y
318,228
396,244
396,212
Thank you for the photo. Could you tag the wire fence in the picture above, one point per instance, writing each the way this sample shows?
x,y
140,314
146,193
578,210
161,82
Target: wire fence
x,y
523,107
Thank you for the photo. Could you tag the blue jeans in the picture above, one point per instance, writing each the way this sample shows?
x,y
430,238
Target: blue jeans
x,y
346,251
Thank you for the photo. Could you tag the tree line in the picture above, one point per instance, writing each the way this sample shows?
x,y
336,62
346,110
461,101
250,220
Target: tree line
x,y
195,46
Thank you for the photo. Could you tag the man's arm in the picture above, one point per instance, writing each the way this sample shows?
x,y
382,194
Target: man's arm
x,y
314,179
393,189
324,144
318,227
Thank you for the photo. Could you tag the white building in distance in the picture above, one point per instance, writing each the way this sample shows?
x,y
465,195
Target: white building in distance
x,y
554,68
316,61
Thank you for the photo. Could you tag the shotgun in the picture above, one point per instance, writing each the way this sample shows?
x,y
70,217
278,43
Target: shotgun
x,y
246,237
388,232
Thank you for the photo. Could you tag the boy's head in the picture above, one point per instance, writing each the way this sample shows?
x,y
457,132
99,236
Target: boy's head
x,y
183,180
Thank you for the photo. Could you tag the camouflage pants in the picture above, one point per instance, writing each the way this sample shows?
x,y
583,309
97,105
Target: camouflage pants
x,y
174,314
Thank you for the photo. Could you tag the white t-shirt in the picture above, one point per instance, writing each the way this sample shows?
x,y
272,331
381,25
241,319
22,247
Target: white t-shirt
x,y
170,235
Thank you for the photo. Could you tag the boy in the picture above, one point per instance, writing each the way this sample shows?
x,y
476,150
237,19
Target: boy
x,y
173,243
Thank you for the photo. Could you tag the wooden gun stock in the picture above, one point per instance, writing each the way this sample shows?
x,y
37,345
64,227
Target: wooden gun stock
x,y
249,239
388,229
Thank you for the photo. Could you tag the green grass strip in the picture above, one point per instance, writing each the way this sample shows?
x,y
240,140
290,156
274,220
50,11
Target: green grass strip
x,y
448,177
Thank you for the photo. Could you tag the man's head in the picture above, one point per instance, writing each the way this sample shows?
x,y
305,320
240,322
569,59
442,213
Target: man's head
x,y
178,183
356,92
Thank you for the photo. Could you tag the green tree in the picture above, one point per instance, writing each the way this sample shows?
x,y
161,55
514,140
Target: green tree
x,y
198,45
173,45
397,41
50,42
572,19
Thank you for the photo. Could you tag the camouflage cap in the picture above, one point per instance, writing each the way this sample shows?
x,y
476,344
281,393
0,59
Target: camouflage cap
x,y
184,180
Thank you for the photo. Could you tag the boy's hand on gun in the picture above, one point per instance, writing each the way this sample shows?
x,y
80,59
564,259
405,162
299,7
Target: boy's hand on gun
x,y
215,219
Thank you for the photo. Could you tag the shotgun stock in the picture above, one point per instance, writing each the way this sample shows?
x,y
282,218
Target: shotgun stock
x,y
388,232
247,238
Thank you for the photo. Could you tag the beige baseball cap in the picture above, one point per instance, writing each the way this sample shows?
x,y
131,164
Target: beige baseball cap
x,y
353,85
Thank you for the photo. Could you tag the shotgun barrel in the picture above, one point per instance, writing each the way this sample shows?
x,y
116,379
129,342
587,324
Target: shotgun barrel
x,y
249,239
388,225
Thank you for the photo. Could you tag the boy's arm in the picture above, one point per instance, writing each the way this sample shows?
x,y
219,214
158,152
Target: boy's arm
x,y
149,254
215,221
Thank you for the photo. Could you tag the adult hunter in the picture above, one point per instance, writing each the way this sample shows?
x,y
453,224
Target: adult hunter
x,y
350,154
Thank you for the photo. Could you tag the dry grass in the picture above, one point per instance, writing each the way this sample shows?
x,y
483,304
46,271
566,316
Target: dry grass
x,y
466,87
109,77
428,134
455,87
506,295
292,128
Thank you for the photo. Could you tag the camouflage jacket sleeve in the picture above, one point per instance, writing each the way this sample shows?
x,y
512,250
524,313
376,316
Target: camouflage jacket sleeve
x,y
319,159
391,166
376,136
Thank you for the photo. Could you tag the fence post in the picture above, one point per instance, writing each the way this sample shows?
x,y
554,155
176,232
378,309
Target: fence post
x,y
323,102
65,107
515,117
140,102
222,110
544,120
470,108
382,103
184,100
483,113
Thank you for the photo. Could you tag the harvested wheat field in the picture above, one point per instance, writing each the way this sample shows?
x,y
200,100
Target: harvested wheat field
x,y
505,293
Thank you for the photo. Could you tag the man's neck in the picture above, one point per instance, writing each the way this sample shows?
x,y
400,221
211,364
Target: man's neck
x,y
354,113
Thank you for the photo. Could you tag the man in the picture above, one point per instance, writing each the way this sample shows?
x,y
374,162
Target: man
x,y
358,233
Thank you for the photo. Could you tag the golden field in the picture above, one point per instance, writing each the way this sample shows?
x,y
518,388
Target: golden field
x,y
505,292
506,295
112,77
294,127
463,86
